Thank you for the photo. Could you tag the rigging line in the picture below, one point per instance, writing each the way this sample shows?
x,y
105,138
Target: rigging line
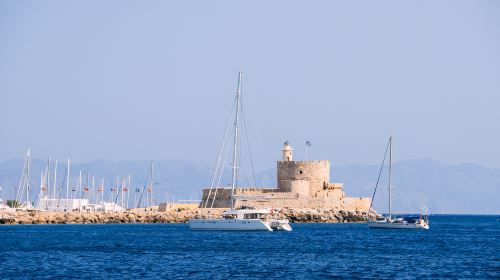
x,y
21,182
242,175
379,174
119,189
248,142
224,142
144,188
61,188
40,192
224,146
43,185
221,171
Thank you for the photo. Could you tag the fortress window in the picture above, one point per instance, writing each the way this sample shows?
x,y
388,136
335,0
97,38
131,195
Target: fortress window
x,y
300,171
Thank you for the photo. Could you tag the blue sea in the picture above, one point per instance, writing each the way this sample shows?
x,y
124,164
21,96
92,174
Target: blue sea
x,y
454,247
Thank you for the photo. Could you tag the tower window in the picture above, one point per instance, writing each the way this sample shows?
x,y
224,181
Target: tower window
x,y
300,171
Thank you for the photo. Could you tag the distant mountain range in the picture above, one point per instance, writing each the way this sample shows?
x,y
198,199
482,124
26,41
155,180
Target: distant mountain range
x,y
457,189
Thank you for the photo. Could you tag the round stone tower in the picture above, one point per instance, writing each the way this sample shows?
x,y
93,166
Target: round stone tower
x,y
303,177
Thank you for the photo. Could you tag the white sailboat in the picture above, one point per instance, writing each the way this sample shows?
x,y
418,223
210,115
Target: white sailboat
x,y
240,219
24,188
390,222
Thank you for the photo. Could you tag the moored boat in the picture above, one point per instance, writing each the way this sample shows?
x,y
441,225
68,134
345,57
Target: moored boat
x,y
407,222
240,219
390,222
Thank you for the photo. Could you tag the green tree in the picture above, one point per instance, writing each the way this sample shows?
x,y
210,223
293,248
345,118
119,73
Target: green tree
x,y
13,203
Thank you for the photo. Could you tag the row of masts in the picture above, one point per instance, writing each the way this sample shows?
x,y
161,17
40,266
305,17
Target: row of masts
x,y
87,187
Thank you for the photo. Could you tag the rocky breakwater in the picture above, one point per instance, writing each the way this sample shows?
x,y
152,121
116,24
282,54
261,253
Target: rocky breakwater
x,y
145,217
325,215
174,216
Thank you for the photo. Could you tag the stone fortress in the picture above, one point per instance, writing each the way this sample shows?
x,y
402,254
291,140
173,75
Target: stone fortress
x,y
301,185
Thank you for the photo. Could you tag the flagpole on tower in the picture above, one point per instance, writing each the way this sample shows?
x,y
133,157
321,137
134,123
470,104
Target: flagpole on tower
x,y
308,144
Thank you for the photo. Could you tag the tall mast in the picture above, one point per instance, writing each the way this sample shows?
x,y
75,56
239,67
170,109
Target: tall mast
x,y
80,184
129,190
20,189
28,179
87,187
41,192
48,178
122,186
102,192
235,151
390,175
67,180
55,180
93,190
151,188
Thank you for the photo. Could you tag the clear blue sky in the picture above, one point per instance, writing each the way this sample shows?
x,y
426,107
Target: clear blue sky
x,y
155,79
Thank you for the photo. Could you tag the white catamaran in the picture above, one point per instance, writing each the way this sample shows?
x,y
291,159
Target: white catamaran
x,y
390,222
240,219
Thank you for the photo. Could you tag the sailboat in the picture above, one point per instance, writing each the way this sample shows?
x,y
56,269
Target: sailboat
x,y
240,219
24,185
390,222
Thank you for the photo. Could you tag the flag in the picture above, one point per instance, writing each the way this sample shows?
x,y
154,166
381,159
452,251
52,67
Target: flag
x,y
150,189
308,143
99,189
138,190
125,189
86,189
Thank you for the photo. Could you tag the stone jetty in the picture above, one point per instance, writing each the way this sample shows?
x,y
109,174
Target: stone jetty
x,y
174,216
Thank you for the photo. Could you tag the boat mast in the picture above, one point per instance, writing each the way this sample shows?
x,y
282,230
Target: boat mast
x,y
235,151
151,188
48,178
93,190
28,180
129,188
55,181
390,175
80,184
102,191
67,180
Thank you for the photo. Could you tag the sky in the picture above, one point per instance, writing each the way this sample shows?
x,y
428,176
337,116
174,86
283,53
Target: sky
x,y
142,80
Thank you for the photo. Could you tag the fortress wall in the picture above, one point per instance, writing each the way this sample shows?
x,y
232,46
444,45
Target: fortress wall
x,y
334,193
300,187
222,199
248,195
260,198
317,172
356,203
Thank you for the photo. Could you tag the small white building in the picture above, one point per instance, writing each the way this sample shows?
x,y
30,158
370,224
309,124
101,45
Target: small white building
x,y
81,205
63,204
106,207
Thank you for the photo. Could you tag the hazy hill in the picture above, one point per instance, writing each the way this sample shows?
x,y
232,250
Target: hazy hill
x,y
465,188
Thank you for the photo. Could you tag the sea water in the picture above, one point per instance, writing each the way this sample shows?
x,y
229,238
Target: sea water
x,y
454,247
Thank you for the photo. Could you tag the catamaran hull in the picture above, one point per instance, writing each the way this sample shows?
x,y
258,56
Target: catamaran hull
x,y
397,225
226,224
